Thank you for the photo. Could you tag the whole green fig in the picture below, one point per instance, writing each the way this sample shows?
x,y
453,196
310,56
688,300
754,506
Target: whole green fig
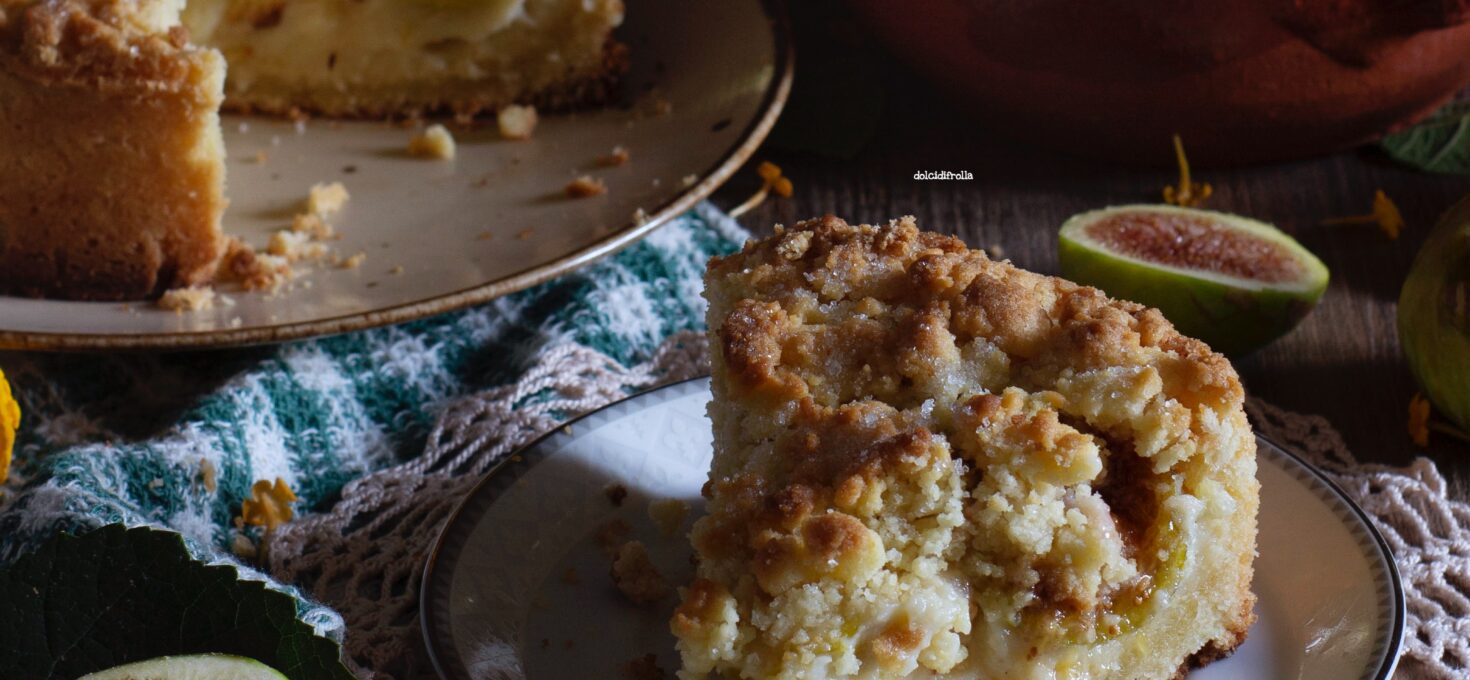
x,y
1434,315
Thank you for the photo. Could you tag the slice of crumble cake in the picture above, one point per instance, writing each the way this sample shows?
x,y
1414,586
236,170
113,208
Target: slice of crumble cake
x,y
928,463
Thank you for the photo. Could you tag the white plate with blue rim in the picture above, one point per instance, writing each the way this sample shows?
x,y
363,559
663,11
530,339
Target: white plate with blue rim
x,y
517,586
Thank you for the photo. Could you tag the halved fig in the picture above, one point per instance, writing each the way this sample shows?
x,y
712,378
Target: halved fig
x,y
1234,282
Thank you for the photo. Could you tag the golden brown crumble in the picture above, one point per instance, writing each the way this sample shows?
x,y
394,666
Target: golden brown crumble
x,y
434,142
191,299
586,186
899,419
635,576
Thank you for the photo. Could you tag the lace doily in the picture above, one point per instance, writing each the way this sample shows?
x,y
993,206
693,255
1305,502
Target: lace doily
x,y
366,556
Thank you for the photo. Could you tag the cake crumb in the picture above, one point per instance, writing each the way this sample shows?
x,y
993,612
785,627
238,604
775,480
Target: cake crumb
x,y
524,234
325,199
261,157
294,246
570,577
689,180
207,475
254,271
636,577
155,483
997,251
619,157
616,493
640,216
586,186
314,226
485,235
236,322
191,299
396,270
353,261
610,535
668,515
516,122
436,142
643,668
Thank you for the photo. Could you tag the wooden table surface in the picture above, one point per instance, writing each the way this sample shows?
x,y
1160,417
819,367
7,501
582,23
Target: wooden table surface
x,y
1343,362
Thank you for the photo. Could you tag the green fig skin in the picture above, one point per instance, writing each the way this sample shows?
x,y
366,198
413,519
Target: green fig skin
x,y
1232,320
1434,316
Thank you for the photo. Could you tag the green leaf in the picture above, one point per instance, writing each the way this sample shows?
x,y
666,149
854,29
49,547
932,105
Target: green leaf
x,y
81,604
1440,143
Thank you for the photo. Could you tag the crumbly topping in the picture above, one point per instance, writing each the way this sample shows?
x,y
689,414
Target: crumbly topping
x,y
118,44
191,299
435,142
516,122
920,452
636,577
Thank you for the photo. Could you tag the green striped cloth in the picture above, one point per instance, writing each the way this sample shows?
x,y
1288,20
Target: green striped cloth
x,y
121,438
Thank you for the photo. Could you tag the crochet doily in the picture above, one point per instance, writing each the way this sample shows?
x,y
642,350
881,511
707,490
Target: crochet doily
x,y
366,556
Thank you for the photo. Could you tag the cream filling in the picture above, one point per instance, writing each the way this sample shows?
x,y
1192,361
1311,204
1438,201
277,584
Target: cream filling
x,y
344,41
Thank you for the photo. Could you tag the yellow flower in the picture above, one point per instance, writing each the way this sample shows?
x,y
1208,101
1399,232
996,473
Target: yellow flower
x,y
1385,214
270,505
1419,420
771,181
9,421
1188,194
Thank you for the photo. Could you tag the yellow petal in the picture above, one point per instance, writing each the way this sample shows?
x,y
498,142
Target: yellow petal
x,y
1419,410
768,171
9,421
269,505
782,187
1387,214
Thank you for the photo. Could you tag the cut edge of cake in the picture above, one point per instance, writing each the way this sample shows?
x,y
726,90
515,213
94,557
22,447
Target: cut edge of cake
x,y
113,183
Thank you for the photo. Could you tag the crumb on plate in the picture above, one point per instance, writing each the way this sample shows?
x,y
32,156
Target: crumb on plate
x,y
435,142
353,261
191,299
636,577
618,157
586,186
516,122
325,199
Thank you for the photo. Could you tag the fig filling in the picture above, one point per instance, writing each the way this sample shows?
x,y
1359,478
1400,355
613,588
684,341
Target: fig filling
x,y
1126,486
1195,243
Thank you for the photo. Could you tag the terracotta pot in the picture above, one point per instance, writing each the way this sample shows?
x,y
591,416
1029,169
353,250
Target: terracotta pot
x,y
1242,81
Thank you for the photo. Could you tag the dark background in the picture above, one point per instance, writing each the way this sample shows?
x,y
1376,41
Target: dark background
x,y
883,123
